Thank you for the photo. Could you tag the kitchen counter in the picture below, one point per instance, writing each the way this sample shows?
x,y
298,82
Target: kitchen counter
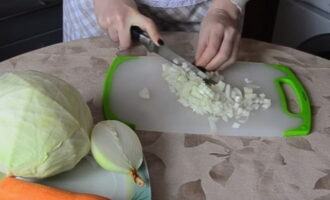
x,y
197,167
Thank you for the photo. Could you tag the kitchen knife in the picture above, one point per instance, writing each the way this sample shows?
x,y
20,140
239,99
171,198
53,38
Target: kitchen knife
x,y
140,36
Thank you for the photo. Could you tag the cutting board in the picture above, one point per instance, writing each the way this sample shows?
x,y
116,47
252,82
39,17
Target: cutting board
x,y
129,75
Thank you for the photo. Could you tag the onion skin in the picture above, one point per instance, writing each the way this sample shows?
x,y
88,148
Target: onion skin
x,y
136,178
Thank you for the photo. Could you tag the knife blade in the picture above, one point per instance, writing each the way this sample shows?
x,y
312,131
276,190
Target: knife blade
x,y
165,52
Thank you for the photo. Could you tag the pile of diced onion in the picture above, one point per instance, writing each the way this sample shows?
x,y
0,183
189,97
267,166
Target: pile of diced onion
x,y
218,101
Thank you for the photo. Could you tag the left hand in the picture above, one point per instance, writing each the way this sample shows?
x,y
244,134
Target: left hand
x,y
116,18
219,36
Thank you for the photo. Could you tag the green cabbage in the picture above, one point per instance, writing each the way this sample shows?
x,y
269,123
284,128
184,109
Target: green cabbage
x,y
44,125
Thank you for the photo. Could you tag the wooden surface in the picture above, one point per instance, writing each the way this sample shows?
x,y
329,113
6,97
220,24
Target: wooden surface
x,y
194,167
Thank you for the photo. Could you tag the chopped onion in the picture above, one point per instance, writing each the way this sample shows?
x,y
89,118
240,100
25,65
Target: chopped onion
x,y
214,101
248,81
213,124
215,76
248,90
175,61
236,125
221,85
144,93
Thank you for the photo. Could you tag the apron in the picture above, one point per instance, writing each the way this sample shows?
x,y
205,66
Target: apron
x,y
79,19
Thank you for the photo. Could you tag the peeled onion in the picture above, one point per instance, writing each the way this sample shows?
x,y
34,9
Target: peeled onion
x,y
116,147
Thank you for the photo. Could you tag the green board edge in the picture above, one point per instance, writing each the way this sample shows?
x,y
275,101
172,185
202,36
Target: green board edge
x,y
107,111
302,97
291,79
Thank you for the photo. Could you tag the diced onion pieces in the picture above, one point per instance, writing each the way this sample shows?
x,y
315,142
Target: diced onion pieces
x,y
144,93
248,81
215,101
213,124
175,61
236,125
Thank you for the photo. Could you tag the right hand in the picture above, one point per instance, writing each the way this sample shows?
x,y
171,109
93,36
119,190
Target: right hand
x,y
116,18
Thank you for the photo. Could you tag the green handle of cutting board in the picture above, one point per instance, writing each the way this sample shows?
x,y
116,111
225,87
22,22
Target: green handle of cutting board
x,y
302,97
107,111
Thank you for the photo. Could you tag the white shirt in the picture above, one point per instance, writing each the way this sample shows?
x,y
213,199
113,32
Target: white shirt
x,y
180,3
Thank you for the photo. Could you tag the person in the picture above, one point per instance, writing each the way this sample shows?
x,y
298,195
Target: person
x,y
218,22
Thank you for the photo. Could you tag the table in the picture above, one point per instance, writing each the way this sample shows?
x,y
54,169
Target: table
x,y
196,167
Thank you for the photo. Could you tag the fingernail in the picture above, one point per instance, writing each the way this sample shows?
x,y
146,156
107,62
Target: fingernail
x,y
160,42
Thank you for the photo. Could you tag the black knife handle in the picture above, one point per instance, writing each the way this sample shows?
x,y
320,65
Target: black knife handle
x,y
138,35
136,32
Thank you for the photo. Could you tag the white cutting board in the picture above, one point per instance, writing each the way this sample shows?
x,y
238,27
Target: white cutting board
x,y
163,113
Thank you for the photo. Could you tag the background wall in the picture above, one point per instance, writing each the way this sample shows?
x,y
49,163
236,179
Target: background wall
x,y
29,24
260,19
305,25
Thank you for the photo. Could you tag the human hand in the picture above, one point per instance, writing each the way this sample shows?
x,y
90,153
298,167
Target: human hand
x,y
116,18
219,36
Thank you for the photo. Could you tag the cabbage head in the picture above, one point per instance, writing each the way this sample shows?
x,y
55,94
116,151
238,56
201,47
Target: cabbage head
x,y
44,125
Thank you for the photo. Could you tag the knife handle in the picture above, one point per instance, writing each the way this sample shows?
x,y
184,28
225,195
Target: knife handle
x,y
141,36
136,32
